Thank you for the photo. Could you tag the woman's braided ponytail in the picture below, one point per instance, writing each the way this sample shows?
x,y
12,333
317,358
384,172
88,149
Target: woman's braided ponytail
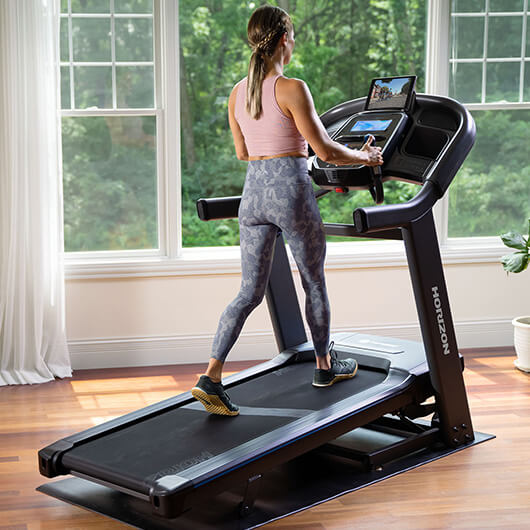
x,y
265,28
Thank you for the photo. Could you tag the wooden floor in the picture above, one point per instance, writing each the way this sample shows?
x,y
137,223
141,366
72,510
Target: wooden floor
x,y
486,486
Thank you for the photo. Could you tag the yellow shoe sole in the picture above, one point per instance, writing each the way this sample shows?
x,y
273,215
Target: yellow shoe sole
x,y
337,378
212,403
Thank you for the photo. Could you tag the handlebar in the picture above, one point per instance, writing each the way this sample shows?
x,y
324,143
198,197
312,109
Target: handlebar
x,y
374,218
367,219
376,187
218,208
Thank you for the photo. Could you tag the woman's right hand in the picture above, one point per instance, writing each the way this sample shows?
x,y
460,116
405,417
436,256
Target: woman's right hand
x,y
372,155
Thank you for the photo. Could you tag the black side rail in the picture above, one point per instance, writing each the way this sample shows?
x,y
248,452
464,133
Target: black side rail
x,y
375,218
218,208
227,207
366,220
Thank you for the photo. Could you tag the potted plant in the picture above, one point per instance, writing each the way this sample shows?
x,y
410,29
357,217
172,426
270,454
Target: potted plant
x,y
517,262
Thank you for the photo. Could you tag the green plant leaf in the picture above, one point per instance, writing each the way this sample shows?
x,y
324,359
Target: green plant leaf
x,y
516,262
514,240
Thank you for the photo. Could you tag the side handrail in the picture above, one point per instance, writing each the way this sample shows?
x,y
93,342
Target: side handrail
x,y
367,219
218,208
227,207
372,218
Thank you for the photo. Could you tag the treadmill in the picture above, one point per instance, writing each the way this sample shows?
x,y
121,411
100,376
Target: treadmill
x,y
169,464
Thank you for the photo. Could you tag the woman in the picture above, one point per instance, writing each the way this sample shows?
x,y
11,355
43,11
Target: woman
x,y
272,118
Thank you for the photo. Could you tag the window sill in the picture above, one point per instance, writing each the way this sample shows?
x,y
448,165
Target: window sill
x,y
226,260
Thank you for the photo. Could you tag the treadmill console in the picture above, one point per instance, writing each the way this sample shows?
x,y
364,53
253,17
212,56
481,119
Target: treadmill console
x,y
385,127
386,117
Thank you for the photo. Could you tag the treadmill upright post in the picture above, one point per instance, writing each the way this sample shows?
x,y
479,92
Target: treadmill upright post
x,y
437,328
282,301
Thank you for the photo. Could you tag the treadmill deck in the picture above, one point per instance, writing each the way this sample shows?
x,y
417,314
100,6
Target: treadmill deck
x,y
174,448
174,441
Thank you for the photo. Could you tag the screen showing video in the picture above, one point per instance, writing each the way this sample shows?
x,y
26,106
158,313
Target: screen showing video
x,y
370,125
390,93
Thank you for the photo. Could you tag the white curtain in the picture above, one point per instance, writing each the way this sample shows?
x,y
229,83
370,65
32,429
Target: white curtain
x,y
33,346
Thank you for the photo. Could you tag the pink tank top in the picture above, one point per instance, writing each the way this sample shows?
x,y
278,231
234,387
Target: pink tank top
x,y
273,133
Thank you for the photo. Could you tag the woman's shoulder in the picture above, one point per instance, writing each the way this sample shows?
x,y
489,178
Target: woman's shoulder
x,y
240,82
291,81
235,88
292,87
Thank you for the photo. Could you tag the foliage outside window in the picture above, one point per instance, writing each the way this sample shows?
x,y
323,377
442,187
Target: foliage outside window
x,y
340,47
110,114
490,66
109,125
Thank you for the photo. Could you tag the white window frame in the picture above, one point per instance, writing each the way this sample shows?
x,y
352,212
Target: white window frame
x,y
462,249
524,62
173,260
166,110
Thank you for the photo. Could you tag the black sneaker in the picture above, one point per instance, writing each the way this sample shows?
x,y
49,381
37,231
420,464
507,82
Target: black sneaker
x,y
339,370
213,397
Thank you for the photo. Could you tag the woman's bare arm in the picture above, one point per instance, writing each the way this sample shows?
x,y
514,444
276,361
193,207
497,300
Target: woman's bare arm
x,y
296,97
239,140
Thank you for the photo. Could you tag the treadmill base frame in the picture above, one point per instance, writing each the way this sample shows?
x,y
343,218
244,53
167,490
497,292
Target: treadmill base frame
x,y
306,481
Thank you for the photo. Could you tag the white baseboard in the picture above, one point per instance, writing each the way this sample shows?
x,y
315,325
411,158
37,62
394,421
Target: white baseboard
x,y
185,349
154,351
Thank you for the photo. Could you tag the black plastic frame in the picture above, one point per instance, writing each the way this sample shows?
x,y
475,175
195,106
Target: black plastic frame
x,y
358,176
458,123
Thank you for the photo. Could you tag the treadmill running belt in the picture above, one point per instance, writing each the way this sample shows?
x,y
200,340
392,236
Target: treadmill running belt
x,y
182,437
167,444
291,387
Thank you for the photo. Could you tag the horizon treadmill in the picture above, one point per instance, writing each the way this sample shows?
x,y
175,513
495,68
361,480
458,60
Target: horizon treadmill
x,y
173,465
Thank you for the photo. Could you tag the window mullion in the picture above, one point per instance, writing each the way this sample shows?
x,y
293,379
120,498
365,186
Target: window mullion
x,y
113,54
161,173
167,21
485,53
71,56
438,48
437,82
523,51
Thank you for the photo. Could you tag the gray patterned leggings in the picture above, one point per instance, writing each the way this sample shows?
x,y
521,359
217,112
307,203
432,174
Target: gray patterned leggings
x,y
278,194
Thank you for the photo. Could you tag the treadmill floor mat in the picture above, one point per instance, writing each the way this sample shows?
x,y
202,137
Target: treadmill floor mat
x,y
299,484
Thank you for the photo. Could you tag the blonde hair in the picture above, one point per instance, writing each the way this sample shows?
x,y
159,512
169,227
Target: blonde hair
x,y
265,28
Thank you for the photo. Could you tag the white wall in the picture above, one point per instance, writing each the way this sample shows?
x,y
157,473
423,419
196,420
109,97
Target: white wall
x,y
172,319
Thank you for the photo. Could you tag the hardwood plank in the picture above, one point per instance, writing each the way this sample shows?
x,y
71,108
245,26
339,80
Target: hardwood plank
x,y
486,486
497,351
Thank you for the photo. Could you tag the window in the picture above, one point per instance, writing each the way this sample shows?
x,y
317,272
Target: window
x,y
340,47
109,125
490,71
125,63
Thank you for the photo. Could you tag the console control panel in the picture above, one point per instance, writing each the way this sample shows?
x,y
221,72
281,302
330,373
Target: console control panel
x,y
386,126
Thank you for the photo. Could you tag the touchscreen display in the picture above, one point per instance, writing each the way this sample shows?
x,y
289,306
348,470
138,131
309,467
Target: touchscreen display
x,y
390,93
370,125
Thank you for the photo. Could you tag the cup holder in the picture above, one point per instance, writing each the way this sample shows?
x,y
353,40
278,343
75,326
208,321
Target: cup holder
x,y
426,142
